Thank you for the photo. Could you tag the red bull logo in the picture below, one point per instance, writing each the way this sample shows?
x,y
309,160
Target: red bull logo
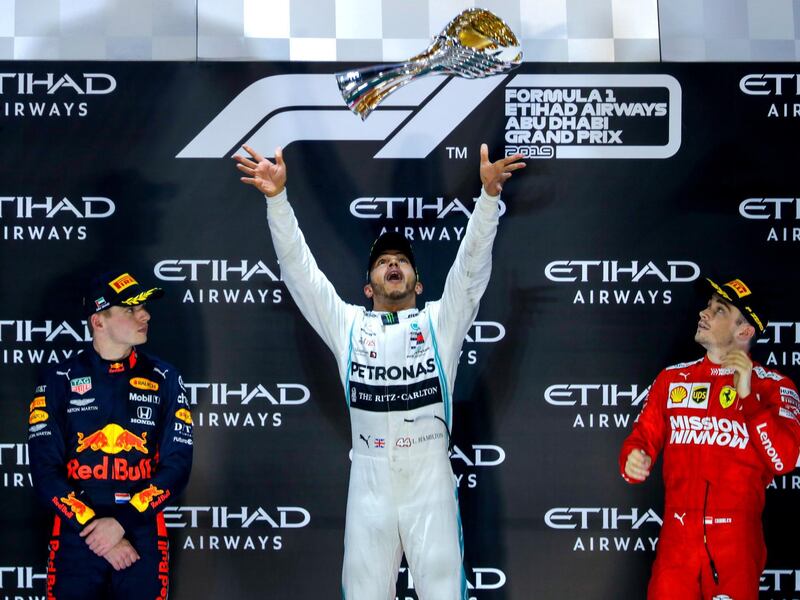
x,y
119,470
143,499
112,439
81,511
116,367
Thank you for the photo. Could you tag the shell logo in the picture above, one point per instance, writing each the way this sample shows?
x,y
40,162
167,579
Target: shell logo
x,y
144,384
678,394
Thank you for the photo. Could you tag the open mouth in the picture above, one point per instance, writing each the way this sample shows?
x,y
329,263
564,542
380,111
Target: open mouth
x,y
393,276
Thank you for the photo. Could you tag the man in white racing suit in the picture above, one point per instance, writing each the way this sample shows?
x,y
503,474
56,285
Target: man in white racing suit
x,y
397,365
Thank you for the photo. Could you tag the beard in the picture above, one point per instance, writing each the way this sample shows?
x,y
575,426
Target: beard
x,y
379,289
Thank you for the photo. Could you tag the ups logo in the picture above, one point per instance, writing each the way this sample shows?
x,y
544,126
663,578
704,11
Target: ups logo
x,y
700,394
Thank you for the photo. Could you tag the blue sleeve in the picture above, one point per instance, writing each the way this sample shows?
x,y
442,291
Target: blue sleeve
x,y
47,452
173,457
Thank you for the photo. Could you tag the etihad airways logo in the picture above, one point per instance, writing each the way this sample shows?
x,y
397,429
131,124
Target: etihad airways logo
x,y
85,84
619,529
779,214
597,405
14,463
22,94
20,578
230,529
440,218
42,334
412,208
478,578
780,580
634,273
51,217
223,281
242,405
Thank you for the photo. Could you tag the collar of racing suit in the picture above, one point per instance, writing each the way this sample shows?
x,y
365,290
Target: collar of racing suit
x,y
393,318
114,366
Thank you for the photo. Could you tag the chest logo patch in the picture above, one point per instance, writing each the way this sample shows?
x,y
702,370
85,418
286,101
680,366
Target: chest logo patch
x,y
678,394
727,396
80,385
699,395
142,383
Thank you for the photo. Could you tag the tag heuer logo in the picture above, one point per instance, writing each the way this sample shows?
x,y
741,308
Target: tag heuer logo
x,y
80,385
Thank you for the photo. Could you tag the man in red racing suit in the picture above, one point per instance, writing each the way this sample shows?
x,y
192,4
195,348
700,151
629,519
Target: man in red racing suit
x,y
727,426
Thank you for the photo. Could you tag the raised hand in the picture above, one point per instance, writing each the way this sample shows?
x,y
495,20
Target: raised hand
x,y
495,174
266,176
743,370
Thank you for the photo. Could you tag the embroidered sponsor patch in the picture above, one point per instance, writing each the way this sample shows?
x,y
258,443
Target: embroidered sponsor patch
x,y
80,385
184,415
38,402
144,384
143,499
37,416
698,398
727,396
738,286
678,395
122,282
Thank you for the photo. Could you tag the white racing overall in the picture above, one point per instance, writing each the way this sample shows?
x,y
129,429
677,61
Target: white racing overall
x,y
397,370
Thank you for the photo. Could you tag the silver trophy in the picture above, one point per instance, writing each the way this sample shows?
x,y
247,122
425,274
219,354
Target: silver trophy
x,y
474,44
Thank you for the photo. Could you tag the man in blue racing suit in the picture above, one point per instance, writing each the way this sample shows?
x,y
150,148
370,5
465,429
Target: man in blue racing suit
x,y
110,441
397,365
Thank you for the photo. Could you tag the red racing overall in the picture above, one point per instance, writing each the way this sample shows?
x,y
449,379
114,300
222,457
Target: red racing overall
x,y
720,453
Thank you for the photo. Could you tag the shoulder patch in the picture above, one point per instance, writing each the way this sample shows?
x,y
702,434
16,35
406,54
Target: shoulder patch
x,y
762,373
683,365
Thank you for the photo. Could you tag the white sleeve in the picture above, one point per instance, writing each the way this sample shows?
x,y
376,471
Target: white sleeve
x,y
314,295
469,275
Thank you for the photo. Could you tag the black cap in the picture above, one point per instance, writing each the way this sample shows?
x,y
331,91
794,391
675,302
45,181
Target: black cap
x,y
116,288
391,240
738,293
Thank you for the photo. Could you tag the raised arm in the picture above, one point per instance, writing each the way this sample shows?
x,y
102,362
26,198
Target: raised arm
x,y
469,275
314,295
772,413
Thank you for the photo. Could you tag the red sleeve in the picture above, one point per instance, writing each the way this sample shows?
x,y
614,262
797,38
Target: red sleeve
x,y
772,412
649,429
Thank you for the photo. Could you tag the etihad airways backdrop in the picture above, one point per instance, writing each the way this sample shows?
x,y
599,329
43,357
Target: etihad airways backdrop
x,y
640,179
